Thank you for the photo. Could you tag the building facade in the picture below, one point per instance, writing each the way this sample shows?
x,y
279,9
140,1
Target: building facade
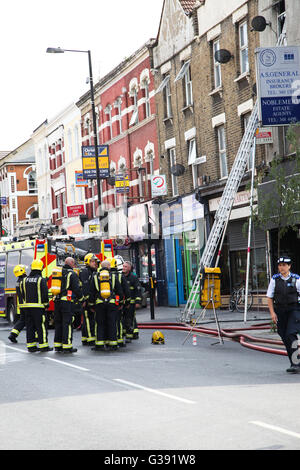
x,y
203,107
18,187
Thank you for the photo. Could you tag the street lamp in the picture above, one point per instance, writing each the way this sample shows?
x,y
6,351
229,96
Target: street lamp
x,y
58,50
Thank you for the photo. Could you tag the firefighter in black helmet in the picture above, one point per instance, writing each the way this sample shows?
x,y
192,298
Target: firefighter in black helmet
x,y
63,313
35,291
130,324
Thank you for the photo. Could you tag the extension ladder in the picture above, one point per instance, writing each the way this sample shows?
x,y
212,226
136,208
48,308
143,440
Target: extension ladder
x,y
223,212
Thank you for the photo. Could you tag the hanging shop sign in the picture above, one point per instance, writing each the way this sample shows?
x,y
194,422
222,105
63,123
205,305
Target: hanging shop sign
x,y
75,211
89,162
159,185
278,80
122,184
264,135
80,181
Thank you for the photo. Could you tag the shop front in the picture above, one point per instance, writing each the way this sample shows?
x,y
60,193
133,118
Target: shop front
x,y
183,235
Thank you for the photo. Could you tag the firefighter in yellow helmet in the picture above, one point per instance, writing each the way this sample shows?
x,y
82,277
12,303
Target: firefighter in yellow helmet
x,y
115,268
35,290
20,273
70,292
86,275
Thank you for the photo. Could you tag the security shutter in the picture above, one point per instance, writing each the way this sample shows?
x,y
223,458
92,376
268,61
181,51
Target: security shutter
x,y
239,241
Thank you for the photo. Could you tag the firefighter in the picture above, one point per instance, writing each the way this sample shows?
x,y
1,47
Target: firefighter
x,y
35,294
63,312
20,273
106,292
130,324
284,305
117,269
85,276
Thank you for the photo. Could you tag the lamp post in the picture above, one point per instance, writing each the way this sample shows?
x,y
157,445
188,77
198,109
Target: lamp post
x,y
58,50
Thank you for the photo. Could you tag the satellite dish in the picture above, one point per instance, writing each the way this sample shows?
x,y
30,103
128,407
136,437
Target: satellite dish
x,y
259,23
111,180
223,56
177,170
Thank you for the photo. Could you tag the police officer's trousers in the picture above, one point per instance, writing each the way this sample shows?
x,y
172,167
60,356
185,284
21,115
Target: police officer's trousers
x,y
63,317
106,324
36,322
288,326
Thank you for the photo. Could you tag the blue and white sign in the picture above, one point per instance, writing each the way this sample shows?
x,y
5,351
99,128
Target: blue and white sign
x,y
278,82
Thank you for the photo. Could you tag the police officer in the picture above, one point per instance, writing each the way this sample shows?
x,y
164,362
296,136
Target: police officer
x,y
85,276
283,301
117,268
20,273
35,295
63,312
106,306
130,324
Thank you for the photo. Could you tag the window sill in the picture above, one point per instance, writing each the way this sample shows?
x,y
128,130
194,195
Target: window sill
x,y
216,91
189,106
242,76
167,119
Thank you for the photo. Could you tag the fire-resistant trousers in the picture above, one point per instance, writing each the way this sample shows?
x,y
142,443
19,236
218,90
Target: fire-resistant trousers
x,y
36,322
20,323
88,326
63,317
106,324
128,320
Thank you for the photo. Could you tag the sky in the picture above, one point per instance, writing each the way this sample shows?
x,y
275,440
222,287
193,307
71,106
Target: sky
x,y
34,85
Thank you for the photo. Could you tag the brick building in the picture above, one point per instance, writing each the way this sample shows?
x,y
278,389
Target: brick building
x,y
203,107
18,186
126,122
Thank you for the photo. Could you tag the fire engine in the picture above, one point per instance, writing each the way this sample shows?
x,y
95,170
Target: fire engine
x,y
52,251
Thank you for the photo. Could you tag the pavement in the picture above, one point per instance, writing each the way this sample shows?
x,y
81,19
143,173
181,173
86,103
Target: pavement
x,y
227,320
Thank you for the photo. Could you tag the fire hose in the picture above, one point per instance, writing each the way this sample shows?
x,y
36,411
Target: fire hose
x,y
235,334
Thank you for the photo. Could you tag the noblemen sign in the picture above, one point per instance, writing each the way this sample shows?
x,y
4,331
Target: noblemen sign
x,y
278,80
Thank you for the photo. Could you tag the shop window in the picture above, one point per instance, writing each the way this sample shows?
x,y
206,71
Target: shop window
x,y
258,268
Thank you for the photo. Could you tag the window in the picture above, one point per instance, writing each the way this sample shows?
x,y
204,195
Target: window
x,y
168,99
217,65
281,16
172,158
118,106
147,100
32,184
192,151
135,115
58,205
70,142
185,74
222,152
108,110
188,88
12,184
243,41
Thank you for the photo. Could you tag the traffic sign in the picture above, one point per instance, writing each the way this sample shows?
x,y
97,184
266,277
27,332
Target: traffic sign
x,y
159,185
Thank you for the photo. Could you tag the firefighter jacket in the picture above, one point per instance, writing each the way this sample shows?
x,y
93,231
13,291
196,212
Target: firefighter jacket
x,y
34,291
117,293
86,276
124,285
19,292
70,286
134,287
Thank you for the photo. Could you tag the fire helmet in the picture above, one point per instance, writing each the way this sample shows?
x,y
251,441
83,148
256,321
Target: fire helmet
x,y
158,338
19,270
37,264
